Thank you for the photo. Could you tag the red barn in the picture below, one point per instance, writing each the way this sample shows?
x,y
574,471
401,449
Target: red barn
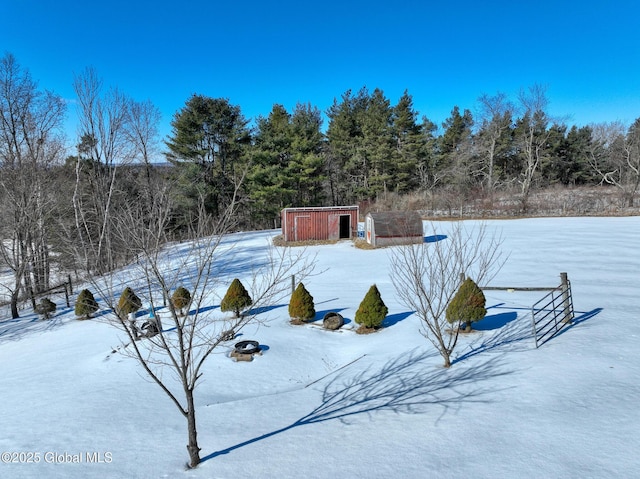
x,y
321,223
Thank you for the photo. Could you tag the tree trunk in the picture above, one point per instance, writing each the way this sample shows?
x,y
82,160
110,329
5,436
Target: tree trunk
x,y
447,360
14,304
192,447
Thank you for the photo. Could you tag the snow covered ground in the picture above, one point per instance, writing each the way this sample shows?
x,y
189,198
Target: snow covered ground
x,y
336,404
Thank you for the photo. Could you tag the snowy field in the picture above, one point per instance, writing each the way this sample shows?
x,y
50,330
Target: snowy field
x,y
322,404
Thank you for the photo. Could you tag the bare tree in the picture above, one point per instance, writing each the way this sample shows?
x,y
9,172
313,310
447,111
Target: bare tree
x,y
495,117
426,277
104,146
532,135
30,142
615,156
184,342
143,119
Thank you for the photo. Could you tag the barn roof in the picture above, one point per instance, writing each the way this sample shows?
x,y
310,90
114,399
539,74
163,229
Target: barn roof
x,y
320,208
397,223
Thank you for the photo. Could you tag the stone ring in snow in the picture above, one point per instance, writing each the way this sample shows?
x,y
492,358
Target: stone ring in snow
x,y
247,347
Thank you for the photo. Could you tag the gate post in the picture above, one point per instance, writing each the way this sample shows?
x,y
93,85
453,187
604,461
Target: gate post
x,y
566,301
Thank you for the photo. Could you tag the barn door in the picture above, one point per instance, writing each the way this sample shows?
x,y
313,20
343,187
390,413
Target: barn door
x,y
301,228
345,226
334,227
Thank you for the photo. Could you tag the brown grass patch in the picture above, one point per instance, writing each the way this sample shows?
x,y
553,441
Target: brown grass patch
x,y
279,241
366,330
362,244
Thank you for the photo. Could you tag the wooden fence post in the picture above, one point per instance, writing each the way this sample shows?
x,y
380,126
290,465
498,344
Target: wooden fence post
x,y
566,303
66,294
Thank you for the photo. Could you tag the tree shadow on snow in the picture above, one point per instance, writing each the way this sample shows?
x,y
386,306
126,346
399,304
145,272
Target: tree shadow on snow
x,y
14,329
265,309
204,309
495,321
404,385
502,332
577,320
393,319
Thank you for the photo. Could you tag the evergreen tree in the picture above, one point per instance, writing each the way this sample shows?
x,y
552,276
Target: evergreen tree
x,y
577,170
129,303
347,168
181,298
456,152
301,304
45,308
409,144
208,141
377,147
86,304
468,304
428,167
236,299
271,189
567,161
372,310
307,164
286,165
457,131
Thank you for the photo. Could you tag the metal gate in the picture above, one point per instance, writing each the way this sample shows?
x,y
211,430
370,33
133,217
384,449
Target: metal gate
x,y
552,313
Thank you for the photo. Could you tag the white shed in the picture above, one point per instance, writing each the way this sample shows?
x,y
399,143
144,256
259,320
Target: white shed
x,y
393,228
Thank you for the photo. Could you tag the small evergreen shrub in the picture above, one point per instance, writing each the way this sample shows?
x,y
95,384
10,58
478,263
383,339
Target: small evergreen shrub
x,y
181,300
86,304
468,304
236,299
45,308
128,303
372,310
301,306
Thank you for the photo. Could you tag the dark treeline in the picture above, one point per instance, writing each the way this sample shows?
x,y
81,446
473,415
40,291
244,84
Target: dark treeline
x,y
372,149
93,209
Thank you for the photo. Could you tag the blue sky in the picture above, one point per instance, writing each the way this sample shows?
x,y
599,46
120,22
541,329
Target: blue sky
x,y
260,53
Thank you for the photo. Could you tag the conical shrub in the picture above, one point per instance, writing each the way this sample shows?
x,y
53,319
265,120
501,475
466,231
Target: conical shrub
x,y
181,299
236,299
468,304
45,308
301,306
128,303
86,304
372,310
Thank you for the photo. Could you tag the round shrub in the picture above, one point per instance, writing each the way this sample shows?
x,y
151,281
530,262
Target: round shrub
x,y
372,310
86,304
468,304
236,299
301,306
181,299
